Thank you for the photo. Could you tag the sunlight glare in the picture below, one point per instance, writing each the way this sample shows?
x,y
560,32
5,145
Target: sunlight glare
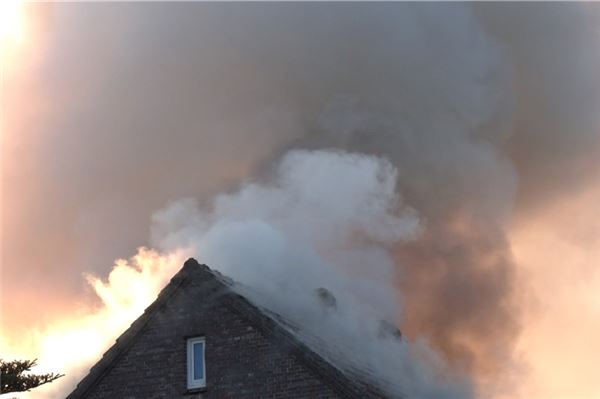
x,y
11,20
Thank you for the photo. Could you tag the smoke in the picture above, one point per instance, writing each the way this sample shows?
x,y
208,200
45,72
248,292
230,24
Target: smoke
x,y
482,113
554,53
326,221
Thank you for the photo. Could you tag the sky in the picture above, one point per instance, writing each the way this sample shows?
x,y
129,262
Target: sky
x,y
433,164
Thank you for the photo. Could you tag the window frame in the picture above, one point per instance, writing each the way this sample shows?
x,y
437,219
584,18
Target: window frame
x,y
195,383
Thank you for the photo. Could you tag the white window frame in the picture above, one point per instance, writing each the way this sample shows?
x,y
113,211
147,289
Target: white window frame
x,y
195,383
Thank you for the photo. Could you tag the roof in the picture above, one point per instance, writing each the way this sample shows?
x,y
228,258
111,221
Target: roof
x,y
271,326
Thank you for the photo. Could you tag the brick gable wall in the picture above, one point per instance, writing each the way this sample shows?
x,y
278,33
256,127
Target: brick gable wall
x,y
241,362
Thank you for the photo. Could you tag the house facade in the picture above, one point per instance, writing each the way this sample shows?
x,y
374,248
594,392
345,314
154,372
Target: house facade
x,y
200,339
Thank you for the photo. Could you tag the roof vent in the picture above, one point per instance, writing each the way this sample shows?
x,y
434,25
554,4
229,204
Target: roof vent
x,y
326,298
388,330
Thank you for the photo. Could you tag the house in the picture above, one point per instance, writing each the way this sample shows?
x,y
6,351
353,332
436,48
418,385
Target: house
x,y
201,339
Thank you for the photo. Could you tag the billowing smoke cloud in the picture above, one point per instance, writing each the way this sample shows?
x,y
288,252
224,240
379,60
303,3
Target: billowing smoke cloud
x,y
325,222
482,112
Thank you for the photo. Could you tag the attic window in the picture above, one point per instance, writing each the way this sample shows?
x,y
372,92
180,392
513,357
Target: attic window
x,y
196,370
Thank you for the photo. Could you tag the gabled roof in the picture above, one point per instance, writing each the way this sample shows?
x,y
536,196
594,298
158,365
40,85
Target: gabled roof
x,y
269,324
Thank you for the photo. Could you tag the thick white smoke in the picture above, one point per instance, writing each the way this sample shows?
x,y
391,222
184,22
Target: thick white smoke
x,y
328,219
325,220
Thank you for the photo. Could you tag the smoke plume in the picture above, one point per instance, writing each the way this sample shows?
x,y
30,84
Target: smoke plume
x,y
325,222
383,150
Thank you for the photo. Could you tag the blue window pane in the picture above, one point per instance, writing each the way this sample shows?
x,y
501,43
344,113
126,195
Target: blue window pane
x,y
199,360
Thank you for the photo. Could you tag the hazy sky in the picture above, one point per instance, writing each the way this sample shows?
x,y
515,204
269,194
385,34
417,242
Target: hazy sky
x,y
164,125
